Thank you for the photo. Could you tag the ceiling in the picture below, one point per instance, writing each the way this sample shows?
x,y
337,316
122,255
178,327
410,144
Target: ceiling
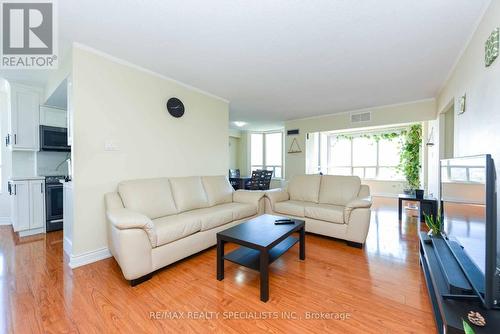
x,y
279,60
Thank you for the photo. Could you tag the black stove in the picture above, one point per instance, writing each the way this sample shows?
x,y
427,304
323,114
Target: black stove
x,y
54,178
54,202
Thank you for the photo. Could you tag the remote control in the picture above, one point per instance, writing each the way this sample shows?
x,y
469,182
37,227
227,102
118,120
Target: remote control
x,y
284,222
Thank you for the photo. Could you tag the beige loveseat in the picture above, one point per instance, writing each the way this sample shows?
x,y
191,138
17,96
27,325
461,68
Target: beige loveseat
x,y
331,205
155,222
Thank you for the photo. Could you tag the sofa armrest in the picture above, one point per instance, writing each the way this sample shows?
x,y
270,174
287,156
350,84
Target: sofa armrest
x,y
365,202
248,196
276,196
357,203
124,219
364,191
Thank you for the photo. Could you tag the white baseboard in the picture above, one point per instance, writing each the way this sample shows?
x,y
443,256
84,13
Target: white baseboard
x,y
88,257
67,246
5,221
389,195
27,233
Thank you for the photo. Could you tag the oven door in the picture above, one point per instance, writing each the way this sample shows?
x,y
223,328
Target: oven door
x,y
54,206
53,138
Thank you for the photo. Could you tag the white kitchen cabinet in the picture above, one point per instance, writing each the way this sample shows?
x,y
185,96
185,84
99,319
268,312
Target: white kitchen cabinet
x,y
24,118
53,116
28,206
37,192
20,205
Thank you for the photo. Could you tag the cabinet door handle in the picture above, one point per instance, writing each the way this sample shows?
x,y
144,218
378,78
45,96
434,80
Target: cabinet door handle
x,y
15,189
41,188
15,139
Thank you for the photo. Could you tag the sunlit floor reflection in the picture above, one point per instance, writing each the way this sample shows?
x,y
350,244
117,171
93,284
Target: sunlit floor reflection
x,y
387,232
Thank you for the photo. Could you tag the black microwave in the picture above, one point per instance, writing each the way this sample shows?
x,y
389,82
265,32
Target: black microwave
x,y
53,138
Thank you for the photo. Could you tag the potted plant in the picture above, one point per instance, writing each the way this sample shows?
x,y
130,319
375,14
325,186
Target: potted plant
x,y
434,223
409,162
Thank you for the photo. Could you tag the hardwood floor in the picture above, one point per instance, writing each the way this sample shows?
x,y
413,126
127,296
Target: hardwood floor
x,y
377,289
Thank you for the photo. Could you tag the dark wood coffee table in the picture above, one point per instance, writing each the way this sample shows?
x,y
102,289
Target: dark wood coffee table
x,y
261,242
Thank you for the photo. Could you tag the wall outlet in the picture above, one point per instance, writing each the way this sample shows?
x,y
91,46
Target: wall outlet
x,y
111,145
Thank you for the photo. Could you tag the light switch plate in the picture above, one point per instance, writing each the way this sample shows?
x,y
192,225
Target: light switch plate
x,y
111,145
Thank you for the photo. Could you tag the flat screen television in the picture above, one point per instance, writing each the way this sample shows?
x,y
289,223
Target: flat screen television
x,y
468,206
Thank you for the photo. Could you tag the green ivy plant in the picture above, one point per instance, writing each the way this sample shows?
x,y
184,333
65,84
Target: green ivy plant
x,y
410,156
376,136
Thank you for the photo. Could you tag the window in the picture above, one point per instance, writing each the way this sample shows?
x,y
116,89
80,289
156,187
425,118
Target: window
x,y
367,155
266,152
339,153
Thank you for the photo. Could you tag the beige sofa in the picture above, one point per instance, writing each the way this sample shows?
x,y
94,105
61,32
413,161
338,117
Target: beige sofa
x,y
331,205
155,222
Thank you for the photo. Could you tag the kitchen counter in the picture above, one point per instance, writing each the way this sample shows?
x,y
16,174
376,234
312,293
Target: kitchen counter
x,y
23,178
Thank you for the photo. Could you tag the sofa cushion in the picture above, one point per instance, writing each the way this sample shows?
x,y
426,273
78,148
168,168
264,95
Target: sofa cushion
x,y
294,208
175,227
189,193
218,189
304,188
326,212
212,217
151,197
242,210
338,189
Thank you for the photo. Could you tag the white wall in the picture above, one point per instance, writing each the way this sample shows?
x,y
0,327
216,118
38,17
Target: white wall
x,y
122,104
477,130
385,188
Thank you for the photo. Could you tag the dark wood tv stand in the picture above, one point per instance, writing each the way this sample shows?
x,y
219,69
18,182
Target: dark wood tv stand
x,y
450,293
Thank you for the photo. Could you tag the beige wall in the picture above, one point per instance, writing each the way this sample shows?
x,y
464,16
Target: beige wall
x,y
121,104
476,131
387,115
234,152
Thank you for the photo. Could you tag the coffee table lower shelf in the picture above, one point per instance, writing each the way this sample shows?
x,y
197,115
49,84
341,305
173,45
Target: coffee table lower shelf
x,y
250,258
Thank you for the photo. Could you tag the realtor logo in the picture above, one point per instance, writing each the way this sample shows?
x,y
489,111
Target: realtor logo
x,y
28,34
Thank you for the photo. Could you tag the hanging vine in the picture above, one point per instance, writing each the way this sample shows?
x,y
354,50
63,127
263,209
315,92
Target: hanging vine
x,y
375,136
410,156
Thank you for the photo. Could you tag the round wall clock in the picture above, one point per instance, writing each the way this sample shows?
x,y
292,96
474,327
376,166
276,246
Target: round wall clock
x,y
175,107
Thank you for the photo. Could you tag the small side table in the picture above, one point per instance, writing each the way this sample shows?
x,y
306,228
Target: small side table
x,y
427,205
